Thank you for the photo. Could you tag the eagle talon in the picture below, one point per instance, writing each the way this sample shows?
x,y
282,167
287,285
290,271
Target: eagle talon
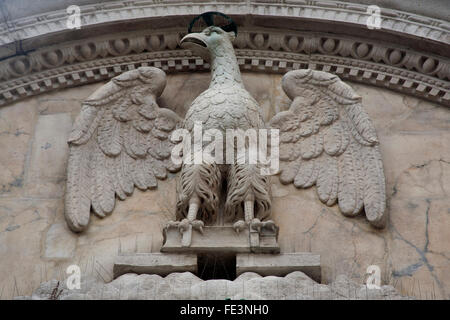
x,y
183,225
198,225
238,226
256,225
270,224
174,224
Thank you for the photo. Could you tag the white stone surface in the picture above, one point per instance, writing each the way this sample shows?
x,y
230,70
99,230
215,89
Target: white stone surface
x,y
59,242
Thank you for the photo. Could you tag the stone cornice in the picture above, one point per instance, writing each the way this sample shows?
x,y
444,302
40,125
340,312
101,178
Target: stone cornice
x,y
274,50
331,11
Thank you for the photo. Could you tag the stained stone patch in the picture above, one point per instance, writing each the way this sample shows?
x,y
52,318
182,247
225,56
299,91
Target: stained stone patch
x,y
47,172
154,263
16,131
279,264
60,243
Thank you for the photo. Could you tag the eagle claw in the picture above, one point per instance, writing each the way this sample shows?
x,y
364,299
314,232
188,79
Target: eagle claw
x,y
257,225
239,225
196,224
172,224
270,224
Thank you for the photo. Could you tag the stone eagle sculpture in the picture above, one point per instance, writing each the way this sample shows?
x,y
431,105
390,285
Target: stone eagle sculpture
x,y
121,140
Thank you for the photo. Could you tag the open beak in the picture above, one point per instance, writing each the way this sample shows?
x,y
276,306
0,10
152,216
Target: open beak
x,y
193,40
196,42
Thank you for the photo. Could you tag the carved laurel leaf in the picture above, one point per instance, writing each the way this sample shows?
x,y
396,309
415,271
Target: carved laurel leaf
x,y
327,139
120,140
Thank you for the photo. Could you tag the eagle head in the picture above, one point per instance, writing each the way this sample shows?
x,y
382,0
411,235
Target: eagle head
x,y
212,41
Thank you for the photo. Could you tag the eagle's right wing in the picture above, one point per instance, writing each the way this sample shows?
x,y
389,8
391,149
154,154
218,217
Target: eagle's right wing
x,y
328,140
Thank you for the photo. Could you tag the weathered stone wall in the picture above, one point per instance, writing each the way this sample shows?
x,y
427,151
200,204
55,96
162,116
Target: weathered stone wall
x,y
413,252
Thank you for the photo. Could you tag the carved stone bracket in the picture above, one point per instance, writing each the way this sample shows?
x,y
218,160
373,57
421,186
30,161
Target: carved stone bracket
x,y
221,239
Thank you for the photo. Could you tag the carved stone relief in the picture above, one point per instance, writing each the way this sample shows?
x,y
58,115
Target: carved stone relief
x,y
122,139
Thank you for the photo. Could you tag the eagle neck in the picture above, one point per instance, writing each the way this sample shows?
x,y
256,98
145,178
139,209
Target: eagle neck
x,y
224,67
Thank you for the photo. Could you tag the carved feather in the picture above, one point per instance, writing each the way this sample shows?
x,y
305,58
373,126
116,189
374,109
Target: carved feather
x,y
120,109
245,180
350,194
307,174
312,146
85,124
202,181
111,167
78,201
134,142
328,180
123,173
289,171
326,111
102,189
109,134
374,190
336,139
362,124
141,176
287,152
157,167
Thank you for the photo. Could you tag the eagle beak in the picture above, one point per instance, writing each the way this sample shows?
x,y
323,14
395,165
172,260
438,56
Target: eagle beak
x,y
196,42
193,40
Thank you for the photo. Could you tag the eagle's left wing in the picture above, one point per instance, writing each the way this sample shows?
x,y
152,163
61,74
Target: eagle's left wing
x,y
328,140
121,139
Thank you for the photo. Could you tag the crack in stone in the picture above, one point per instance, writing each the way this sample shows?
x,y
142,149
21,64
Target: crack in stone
x,y
423,258
18,132
419,166
315,223
427,223
407,271
16,183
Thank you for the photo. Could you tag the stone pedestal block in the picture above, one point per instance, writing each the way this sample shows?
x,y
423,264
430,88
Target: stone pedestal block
x,y
221,239
154,263
263,264
279,264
